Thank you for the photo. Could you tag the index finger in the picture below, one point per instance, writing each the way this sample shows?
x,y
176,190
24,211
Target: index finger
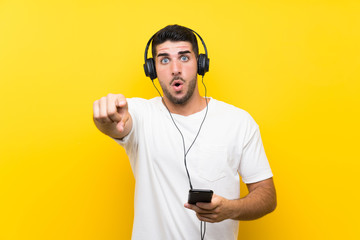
x,y
207,206
197,209
112,102
211,205
120,101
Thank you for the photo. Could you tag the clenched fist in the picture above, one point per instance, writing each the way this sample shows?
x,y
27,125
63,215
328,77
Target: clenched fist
x,y
111,115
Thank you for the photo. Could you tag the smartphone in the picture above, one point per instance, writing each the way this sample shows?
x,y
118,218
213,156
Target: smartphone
x,y
199,195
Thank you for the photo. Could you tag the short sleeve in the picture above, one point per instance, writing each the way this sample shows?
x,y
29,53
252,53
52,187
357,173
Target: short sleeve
x,y
254,165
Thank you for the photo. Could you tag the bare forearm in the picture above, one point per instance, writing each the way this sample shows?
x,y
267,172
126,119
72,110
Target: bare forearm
x,y
259,202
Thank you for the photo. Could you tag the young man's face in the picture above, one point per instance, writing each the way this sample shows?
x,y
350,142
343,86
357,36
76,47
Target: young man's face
x,y
176,68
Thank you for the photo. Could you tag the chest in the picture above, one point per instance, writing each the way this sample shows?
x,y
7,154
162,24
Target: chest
x,y
213,155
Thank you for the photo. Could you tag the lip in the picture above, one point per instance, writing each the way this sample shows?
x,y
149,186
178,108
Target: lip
x,y
177,85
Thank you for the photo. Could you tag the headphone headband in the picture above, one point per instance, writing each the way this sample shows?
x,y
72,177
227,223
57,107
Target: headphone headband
x,y
148,45
149,65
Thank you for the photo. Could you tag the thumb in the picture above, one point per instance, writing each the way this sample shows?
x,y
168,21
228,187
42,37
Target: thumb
x,y
121,125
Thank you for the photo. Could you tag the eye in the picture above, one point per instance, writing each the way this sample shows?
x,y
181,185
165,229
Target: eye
x,y
184,58
164,60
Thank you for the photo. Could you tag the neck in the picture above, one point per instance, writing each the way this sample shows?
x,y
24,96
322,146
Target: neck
x,y
195,104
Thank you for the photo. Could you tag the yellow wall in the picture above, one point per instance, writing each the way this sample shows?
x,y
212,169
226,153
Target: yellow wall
x,y
294,65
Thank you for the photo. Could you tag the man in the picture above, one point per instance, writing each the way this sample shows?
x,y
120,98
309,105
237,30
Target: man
x,y
218,142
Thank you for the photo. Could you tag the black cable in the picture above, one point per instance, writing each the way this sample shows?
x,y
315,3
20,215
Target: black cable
x,y
182,136
202,234
202,80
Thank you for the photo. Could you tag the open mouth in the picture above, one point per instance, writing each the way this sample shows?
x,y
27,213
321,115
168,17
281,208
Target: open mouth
x,y
177,85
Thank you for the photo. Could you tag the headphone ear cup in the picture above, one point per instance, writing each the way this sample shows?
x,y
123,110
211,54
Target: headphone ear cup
x,y
149,68
203,64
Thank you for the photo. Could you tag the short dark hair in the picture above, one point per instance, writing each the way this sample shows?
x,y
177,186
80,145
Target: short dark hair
x,y
175,33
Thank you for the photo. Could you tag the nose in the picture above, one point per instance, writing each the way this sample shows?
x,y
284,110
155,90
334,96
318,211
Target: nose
x,y
175,68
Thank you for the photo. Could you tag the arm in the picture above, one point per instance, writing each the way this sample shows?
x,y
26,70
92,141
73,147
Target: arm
x,y
111,116
260,201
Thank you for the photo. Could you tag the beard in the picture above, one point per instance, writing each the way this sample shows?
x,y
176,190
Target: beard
x,y
185,98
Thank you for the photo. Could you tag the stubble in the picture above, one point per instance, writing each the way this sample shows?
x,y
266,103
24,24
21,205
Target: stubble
x,y
179,101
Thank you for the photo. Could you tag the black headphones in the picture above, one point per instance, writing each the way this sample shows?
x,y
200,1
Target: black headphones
x,y
203,60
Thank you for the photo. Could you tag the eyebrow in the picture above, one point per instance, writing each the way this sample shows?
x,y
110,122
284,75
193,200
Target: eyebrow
x,y
163,54
166,54
183,52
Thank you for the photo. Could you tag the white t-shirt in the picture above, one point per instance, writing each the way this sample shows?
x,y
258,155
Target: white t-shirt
x,y
229,144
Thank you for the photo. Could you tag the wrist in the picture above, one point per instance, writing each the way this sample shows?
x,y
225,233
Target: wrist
x,y
234,209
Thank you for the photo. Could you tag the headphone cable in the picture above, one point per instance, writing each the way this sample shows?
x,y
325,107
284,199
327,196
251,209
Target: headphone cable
x,y
202,233
182,136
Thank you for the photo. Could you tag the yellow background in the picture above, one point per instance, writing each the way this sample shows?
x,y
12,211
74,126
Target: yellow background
x,y
293,65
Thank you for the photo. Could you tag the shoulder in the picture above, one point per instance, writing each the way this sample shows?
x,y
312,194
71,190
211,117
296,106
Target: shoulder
x,y
235,120
233,113
142,102
139,107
